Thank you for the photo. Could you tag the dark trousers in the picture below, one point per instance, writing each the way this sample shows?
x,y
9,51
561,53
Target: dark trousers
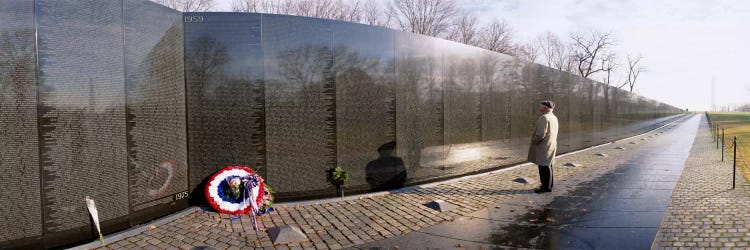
x,y
545,175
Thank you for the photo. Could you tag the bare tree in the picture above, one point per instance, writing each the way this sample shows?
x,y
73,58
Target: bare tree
x,y
556,53
426,17
187,5
248,6
497,36
350,11
609,63
588,47
547,44
634,70
373,14
528,52
328,9
465,30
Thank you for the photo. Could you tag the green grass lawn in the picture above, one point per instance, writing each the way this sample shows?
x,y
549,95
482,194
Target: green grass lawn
x,y
735,124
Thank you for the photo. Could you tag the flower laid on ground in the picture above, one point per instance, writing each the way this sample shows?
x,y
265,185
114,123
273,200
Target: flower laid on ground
x,y
91,206
239,190
338,177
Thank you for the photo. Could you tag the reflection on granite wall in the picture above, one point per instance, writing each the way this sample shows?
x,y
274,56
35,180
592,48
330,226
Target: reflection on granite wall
x,y
224,82
136,105
365,106
462,108
419,105
98,114
81,116
300,103
20,211
155,90
337,93
495,94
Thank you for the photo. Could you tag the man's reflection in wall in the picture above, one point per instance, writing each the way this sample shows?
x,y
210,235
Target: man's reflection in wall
x,y
387,172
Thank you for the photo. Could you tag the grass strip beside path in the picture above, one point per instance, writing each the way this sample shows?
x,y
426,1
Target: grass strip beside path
x,y
735,124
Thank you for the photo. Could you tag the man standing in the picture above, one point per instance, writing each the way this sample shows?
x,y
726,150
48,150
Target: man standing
x,y
544,145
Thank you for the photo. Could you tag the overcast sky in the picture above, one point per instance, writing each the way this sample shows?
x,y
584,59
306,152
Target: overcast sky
x,y
684,42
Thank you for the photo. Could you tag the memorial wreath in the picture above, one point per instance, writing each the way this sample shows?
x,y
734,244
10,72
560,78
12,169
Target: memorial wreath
x,y
239,190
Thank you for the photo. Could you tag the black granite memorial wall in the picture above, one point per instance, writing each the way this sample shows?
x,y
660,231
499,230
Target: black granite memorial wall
x,y
419,105
300,103
83,148
155,95
136,105
364,74
92,104
20,195
225,94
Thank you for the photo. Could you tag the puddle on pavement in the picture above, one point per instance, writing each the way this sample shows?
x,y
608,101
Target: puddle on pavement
x,y
532,229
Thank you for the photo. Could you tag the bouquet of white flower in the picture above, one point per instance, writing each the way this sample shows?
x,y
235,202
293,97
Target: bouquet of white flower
x,y
95,216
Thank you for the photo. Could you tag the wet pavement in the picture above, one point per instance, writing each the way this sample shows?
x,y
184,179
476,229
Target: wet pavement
x,y
620,208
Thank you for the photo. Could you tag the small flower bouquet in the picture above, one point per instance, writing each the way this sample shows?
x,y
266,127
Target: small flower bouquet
x,y
338,177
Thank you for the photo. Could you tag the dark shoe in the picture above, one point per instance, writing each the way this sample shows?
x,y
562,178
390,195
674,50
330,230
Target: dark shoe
x,y
542,190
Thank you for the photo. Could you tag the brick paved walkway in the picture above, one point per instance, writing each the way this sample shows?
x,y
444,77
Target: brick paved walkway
x,y
346,223
618,204
704,212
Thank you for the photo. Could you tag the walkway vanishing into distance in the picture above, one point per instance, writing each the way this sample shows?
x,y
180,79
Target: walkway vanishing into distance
x,y
616,196
618,206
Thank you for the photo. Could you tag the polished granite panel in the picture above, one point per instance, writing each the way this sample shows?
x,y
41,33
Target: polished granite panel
x,y
19,155
300,102
462,108
546,88
524,105
598,105
364,69
81,116
496,117
155,89
419,105
562,98
581,120
225,94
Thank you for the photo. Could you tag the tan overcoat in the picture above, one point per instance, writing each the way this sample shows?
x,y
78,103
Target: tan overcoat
x,y
544,140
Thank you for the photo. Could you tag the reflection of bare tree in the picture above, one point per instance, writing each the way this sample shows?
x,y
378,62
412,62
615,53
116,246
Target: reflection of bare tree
x,y
346,59
419,99
300,105
205,58
305,66
155,110
365,108
462,104
225,117
495,97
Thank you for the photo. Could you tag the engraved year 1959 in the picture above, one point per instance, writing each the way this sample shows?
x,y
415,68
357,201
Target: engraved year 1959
x,y
193,19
